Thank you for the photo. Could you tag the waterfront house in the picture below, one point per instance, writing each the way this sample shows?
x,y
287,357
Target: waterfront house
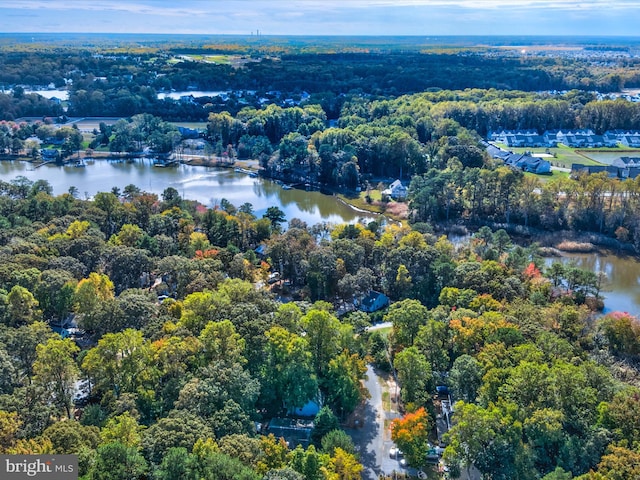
x,y
626,162
396,190
50,154
631,139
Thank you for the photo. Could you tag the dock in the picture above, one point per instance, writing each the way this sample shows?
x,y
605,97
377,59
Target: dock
x,y
251,173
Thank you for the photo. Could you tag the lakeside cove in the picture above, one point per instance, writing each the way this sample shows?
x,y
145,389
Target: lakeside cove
x,y
240,184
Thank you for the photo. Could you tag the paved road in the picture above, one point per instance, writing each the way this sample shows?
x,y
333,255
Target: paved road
x,y
371,441
379,326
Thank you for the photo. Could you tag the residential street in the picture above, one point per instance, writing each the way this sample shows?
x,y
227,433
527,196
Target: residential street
x,y
372,440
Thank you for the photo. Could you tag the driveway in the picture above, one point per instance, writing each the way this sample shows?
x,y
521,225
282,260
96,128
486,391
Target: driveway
x,y
372,439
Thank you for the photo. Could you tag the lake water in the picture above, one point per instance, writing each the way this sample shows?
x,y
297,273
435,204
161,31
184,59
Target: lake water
x,y
204,184
621,290
64,94
210,185
194,94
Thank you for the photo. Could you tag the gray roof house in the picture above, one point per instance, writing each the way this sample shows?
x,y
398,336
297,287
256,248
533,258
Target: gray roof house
x,y
626,162
631,140
374,301
528,163
396,190
610,170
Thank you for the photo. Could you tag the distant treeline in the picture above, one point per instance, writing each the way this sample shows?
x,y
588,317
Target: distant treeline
x,y
125,83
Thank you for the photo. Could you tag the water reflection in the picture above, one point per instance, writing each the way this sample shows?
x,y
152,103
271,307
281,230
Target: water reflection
x,y
621,289
206,185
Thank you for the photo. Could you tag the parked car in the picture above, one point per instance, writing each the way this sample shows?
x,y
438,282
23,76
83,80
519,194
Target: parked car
x,y
274,277
395,452
442,390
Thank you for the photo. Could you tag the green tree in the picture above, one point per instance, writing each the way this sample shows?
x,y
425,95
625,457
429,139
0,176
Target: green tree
x,y
466,378
218,466
488,438
180,429
621,414
69,437
403,282
115,461
55,294
342,382
123,429
324,422
23,345
276,217
92,290
221,343
225,396
433,341
177,464
56,370
287,373
22,307
120,362
545,436
414,375
337,439
407,317
323,335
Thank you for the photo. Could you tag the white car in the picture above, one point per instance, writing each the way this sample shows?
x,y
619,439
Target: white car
x,y
395,452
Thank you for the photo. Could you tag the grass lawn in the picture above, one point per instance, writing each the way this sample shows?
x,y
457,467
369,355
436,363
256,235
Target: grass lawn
x,y
384,332
555,174
223,59
361,202
563,156
194,125
386,401
396,210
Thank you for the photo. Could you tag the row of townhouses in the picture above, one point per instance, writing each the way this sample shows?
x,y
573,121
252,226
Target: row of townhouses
x,y
571,138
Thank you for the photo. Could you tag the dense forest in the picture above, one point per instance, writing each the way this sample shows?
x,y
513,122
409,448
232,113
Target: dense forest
x,y
431,138
174,386
123,80
151,335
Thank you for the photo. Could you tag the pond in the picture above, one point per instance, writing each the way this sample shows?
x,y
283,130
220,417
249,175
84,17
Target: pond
x,y
607,158
621,289
208,185
194,94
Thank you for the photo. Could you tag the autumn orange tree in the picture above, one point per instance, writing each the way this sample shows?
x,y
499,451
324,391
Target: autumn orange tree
x,y
411,434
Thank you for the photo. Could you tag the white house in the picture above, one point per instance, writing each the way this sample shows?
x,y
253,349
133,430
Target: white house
x,y
396,190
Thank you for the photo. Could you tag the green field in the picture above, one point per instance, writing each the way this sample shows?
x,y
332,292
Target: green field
x,y
194,125
555,174
222,59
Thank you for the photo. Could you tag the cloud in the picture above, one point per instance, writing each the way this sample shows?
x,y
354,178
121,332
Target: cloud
x,y
332,17
160,8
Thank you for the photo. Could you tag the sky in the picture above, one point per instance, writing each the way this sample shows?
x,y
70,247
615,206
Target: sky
x,y
324,17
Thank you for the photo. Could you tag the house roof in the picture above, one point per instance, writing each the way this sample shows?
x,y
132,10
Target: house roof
x,y
628,160
371,298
